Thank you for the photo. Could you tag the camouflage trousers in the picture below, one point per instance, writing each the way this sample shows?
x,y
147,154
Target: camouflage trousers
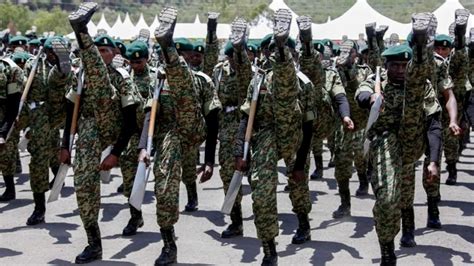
x,y
386,160
128,164
189,166
41,148
55,143
9,155
167,170
349,148
408,186
263,169
228,128
86,171
299,191
450,145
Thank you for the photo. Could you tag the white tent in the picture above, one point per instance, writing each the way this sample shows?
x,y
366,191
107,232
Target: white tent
x,y
260,27
191,30
141,24
445,15
197,20
353,22
128,30
103,25
280,4
114,32
154,24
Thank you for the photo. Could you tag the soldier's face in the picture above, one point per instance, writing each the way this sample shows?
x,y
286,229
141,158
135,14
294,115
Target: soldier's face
x,y
443,51
396,71
51,57
195,59
251,56
107,54
32,49
138,65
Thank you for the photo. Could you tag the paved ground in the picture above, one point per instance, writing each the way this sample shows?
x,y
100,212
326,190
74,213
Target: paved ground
x,y
334,242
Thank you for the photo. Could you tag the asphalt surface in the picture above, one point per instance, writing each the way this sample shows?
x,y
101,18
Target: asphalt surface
x,y
334,242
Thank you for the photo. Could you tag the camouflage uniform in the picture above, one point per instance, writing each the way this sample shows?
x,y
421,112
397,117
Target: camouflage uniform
x,y
99,125
395,142
45,115
276,134
179,125
11,82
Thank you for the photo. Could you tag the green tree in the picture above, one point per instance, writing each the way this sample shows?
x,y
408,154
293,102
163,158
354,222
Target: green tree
x,y
16,14
55,20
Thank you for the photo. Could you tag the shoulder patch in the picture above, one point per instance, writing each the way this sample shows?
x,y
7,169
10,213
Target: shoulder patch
x,y
124,73
203,75
303,77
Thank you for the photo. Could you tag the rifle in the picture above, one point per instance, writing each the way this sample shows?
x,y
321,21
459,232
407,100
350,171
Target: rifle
x,y
31,76
236,181
375,109
63,168
143,171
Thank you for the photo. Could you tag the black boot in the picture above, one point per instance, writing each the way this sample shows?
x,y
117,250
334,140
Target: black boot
x,y
452,173
433,213
345,208
408,228
235,228
169,251
9,193
192,198
388,254
318,172
331,161
94,250
79,18
38,214
120,188
164,33
269,250
303,233
363,189
135,222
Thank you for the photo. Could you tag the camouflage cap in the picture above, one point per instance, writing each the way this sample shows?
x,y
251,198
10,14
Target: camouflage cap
x,y
121,45
398,53
34,42
18,40
443,40
183,45
137,50
104,40
20,57
199,46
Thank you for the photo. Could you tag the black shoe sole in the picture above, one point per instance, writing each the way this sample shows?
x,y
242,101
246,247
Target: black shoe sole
x,y
62,53
88,261
282,24
304,25
167,19
299,242
238,32
85,10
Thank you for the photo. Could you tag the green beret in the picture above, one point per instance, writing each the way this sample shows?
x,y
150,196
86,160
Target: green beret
x,y
328,43
183,45
20,57
34,42
18,40
104,40
254,42
199,46
48,44
398,53
443,40
137,50
228,49
319,46
252,47
291,43
266,40
119,43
